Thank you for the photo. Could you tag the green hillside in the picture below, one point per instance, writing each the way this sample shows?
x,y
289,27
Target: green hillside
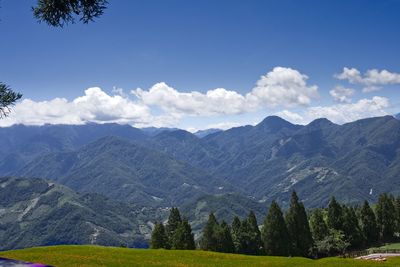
x,y
110,256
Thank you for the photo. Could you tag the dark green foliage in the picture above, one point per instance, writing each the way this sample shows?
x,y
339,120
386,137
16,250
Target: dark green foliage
x,y
7,99
397,207
183,237
335,215
158,237
58,13
224,238
274,233
255,245
174,220
369,228
351,228
318,225
236,234
209,239
298,228
385,217
333,244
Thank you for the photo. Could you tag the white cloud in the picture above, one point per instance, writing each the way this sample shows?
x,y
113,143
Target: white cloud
x,y
342,113
291,116
372,79
213,102
94,106
281,86
223,125
341,94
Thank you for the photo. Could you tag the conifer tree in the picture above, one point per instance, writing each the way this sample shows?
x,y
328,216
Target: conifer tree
x,y
274,233
369,229
174,220
298,228
183,237
397,207
224,238
158,237
209,241
351,227
385,217
318,225
335,214
236,236
255,246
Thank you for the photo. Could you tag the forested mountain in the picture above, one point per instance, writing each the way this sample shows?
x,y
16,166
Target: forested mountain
x,y
354,161
35,212
123,170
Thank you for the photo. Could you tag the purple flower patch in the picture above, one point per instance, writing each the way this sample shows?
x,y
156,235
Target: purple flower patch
x,y
15,263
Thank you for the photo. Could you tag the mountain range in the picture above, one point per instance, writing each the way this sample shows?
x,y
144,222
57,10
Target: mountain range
x,y
228,172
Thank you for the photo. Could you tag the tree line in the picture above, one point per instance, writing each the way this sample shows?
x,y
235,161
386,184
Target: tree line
x,y
320,232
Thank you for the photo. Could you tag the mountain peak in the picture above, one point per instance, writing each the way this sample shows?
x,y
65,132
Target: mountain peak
x,y
321,122
274,123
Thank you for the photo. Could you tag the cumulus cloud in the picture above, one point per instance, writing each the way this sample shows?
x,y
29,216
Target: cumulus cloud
x,y
213,102
373,79
341,94
281,86
340,113
94,106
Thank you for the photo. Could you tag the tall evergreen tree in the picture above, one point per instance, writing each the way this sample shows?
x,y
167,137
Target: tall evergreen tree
x,y
397,207
351,227
158,237
298,228
318,225
209,239
385,217
224,238
183,237
236,234
369,228
335,214
255,242
274,233
174,220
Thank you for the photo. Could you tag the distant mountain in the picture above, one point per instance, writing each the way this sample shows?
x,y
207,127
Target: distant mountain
x,y
204,133
126,171
153,131
19,144
354,161
35,212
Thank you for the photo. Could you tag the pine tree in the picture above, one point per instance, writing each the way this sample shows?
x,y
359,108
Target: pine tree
x,y
298,228
318,226
351,227
224,238
158,237
174,220
236,234
209,240
255,246
335,214
369,229
183,237
385,217
274,233
397,207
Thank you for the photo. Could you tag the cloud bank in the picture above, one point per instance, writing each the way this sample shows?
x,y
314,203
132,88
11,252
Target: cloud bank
x,y
164,106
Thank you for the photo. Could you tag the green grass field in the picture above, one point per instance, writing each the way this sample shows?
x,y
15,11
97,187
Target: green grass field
x,y
88,256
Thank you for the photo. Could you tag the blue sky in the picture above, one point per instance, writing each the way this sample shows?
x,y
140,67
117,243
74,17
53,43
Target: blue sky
x,y
171,48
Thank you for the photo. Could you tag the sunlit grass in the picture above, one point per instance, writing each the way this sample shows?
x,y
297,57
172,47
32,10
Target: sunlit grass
x,y
110,256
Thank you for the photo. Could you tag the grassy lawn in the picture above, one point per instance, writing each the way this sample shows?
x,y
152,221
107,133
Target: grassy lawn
x,y
85,256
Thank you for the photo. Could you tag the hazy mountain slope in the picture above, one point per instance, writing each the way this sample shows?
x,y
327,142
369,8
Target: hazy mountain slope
x,y
35,212
126,171
19,144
